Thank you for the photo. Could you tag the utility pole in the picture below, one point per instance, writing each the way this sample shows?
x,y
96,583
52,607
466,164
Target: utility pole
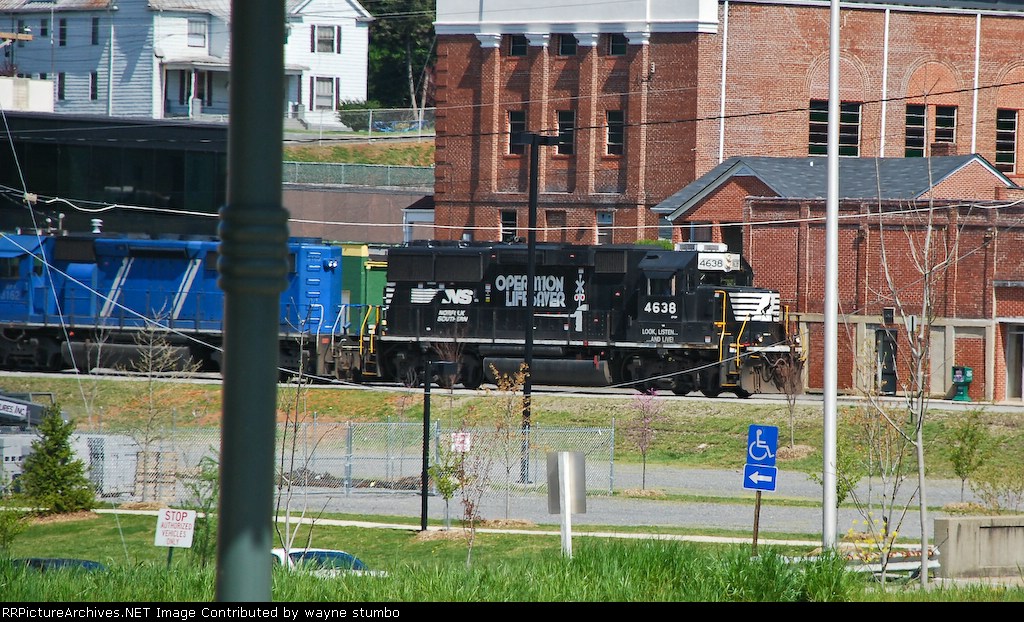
x,y
534,141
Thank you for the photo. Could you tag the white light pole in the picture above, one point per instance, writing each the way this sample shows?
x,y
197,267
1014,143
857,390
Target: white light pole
x,y
110,62
828,531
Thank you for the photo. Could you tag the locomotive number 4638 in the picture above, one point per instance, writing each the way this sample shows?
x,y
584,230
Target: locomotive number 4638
x,y
660,307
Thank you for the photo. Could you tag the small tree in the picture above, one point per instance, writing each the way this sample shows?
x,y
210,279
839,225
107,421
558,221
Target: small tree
x,y
473,473
640,428
968,446
205,490
12,523
509,434
150,416
52,479
445,474
788,374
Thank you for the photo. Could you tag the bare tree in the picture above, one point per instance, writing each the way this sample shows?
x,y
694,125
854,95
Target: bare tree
x,y
507,432
473,469
930,242
294,455
640,429
156,359
788,375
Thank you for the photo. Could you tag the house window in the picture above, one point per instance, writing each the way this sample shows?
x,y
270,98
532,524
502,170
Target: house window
x,y
566,45
508,225
616,132
566,132
60,86
914,147
326,40
604,227
44,28
324,94
849,128
1006,140
945,124
95,31
42,76
517,45
516,125
617,44
21,31
94,85
196,33
62,32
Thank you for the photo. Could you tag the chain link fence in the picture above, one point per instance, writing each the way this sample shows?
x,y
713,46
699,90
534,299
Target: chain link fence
x,y
163,465
376,175
390,121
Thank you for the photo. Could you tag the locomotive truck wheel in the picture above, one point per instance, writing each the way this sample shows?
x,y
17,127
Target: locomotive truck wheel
x,y
406,374
445,381
471,373
709,383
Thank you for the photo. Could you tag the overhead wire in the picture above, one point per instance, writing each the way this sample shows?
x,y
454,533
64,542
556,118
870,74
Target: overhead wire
x,y
107,207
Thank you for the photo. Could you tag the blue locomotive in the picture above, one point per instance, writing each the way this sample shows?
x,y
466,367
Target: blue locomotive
x,y
683,319
85,301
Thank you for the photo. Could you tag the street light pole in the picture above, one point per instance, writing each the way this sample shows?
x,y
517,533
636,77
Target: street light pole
x,y
534,141
110,62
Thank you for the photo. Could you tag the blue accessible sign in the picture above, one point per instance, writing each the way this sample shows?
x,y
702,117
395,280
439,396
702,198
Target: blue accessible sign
x,y
762,444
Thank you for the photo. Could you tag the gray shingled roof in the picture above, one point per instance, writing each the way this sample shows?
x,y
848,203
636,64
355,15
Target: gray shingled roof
x,y
807,178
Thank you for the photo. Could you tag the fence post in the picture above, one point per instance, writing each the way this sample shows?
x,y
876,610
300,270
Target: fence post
x,y
611,460
348,460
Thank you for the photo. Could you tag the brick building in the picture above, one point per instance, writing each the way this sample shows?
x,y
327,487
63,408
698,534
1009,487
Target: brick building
x,y
774,209
647,97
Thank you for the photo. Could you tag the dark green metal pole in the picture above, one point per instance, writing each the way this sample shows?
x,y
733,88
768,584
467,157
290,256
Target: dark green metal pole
x,y
253,267
534,141
425,479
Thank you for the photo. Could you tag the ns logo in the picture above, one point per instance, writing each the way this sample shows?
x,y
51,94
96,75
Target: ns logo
x,y
458,296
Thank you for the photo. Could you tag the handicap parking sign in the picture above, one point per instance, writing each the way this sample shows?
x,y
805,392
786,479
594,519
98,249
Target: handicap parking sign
x,y
762,444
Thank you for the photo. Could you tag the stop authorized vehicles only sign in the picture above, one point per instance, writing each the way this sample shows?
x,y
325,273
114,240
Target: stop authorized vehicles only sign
x,y
175,528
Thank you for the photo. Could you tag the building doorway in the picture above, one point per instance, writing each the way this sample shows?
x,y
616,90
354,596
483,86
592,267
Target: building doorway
x,y
1014,361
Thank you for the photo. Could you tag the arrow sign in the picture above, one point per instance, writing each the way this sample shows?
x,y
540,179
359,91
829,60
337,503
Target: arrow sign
x,y
759,477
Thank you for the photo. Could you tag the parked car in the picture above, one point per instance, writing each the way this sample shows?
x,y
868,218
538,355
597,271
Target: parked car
x,y
321,562
58,563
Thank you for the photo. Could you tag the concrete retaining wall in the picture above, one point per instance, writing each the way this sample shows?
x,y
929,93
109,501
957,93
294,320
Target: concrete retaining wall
x,y
980,546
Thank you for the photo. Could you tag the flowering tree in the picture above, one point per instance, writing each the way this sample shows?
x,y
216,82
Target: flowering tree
x,y
640,428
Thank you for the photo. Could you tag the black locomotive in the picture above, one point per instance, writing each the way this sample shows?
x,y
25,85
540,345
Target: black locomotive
x,y
686,319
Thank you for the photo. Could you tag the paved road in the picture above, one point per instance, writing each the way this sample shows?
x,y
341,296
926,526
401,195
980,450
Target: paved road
x,y
602,509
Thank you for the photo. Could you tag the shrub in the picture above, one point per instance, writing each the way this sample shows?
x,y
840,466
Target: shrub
x,y
12,523
52,479
354,114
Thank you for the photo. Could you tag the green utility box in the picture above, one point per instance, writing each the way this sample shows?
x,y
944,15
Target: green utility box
x,y
962,377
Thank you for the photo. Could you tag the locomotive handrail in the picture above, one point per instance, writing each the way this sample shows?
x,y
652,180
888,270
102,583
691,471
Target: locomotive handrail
x,y
370,310
321,322
342,310
721,324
